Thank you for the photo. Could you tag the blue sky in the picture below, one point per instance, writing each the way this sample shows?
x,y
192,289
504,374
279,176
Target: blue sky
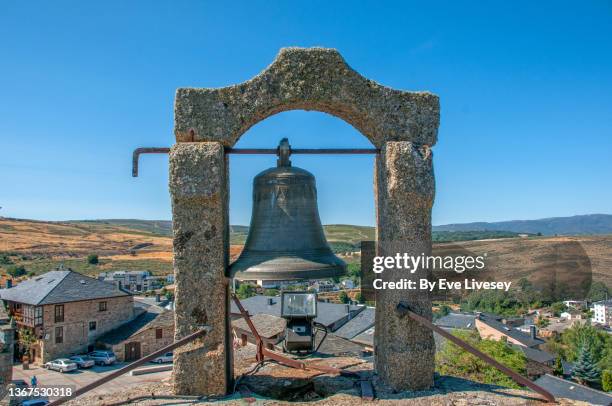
x,y
525,91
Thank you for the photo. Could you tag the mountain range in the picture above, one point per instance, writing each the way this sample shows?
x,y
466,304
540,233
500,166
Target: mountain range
x,y
588,224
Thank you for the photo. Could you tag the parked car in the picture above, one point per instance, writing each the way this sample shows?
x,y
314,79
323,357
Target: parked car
x,y
61,365
83,361
103,357
20,383
35,402
167,357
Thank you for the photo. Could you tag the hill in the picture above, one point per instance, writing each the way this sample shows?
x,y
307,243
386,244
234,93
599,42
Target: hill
x,y
574,225
144,245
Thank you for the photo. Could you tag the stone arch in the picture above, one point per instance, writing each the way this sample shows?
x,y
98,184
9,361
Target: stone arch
x,y
307,79
403,125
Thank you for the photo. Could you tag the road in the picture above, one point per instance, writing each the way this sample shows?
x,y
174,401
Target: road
x,y
83,377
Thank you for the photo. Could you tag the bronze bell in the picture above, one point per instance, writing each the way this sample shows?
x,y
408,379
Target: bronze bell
x,y
286,239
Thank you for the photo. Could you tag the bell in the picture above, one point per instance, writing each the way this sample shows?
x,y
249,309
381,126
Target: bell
x,y
286,239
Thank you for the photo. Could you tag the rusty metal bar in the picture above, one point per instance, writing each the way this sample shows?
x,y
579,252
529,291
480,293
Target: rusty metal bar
x,y
138,151
133,365
264,352
403,309
258,151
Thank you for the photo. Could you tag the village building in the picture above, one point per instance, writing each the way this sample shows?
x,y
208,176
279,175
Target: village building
x,y
538,362
66,312
493,328
147,333
602,312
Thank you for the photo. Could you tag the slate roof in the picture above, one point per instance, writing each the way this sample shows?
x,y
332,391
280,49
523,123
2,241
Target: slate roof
x,y
536,355
519,336
358,324
267,326
457,320
365,338
327,313
60,286
145,321
571,390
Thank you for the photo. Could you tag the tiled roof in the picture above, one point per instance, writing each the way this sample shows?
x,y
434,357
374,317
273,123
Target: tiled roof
x,y
358,324
60,286
457,320
145,321
327,313
536,355
511,332
562,388
267,326
365,338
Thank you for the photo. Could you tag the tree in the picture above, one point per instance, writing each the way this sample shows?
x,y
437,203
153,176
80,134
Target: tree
x,y
598,343
16,271
558,370
599,291
606,380
557,308
344,297
26,339
360,298
245,290
585,369
92,259
543,322
453,360
271,292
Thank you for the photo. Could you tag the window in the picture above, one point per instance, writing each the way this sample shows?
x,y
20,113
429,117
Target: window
x,y
59,313
92,326
159,333
59,335
38,316
102,306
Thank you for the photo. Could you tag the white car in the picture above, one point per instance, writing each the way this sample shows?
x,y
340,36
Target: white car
x,y
83,361
167,357
61,365
103,357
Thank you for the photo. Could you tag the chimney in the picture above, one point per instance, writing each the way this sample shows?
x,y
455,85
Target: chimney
x,y
533,331
9,283
270,301
348,310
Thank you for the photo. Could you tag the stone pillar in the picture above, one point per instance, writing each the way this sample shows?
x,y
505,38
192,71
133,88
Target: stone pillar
x,y
199,193
404,197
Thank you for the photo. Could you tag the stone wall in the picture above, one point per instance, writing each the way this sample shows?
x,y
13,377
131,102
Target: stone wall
x,y
148,341
199,194
77,316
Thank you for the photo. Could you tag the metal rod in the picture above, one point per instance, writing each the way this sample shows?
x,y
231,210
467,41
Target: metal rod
x,y
133,365
138,151
521,380
259,151
290,362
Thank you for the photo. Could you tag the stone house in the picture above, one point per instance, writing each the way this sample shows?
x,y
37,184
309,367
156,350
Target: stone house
x,y
147,333
66,312
493,328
